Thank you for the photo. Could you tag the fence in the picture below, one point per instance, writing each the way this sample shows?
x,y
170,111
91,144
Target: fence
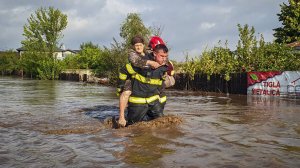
x,y
75,75
69,76
236,85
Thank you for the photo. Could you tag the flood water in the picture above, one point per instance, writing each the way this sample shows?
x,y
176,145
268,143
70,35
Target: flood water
x,y
60,124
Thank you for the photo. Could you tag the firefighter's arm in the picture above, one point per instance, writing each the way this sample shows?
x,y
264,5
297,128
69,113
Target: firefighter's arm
x,y
123,76
169,81
169,77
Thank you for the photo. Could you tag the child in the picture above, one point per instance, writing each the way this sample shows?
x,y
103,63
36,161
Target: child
x,y
136,59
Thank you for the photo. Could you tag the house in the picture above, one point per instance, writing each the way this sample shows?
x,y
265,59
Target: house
x,y
58,53
68,52
295,45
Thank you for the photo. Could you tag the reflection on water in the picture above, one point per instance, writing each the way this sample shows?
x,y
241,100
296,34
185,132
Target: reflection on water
x,y
60,124
144,148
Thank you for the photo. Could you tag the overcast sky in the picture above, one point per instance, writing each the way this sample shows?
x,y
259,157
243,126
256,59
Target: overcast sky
x,y
189,26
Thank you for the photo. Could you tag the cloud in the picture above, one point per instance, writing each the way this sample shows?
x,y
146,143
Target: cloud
x,y
188,26
207,25
101,26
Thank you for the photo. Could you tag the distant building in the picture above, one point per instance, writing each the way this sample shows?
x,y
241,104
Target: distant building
x,y
67,52
295,45
58,53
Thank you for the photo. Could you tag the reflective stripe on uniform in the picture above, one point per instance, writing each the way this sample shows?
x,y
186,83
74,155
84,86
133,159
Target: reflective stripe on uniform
x,y
172,73
140,100
147,80
141,78
130,69
163,99
118,91
122,76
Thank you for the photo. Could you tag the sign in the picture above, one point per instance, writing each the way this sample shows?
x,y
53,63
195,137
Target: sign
x,y
274,83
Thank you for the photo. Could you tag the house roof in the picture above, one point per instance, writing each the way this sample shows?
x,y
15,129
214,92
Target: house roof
x,y
56,50
295,45
20,49
73,51
23,49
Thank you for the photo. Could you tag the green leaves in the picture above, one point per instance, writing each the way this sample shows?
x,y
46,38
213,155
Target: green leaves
x,y
219,60
132,26
89,55
247,48
44,30
290,17
8,61
250,55
42,34
49,69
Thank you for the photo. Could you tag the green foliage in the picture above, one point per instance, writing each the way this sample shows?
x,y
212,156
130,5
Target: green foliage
x,y
276,57
190,66
49,68
29,63
290,18
44,30
104,62
42,34
8,61
107,62
246,48
250,55
89,56
112,61
71,62
132,26
38,65
218,60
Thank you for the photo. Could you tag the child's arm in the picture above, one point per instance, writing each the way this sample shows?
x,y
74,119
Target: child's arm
x,y
137,60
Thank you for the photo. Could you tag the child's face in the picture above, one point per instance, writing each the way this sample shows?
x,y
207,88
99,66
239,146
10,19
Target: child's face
x,y
139,47
160,57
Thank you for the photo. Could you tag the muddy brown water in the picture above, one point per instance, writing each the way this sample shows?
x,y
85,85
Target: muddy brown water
x,y
62,124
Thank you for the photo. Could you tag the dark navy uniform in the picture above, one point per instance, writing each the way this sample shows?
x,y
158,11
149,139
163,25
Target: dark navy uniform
x,y
145,99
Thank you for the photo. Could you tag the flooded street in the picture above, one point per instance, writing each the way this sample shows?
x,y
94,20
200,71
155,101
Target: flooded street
x,y
60,124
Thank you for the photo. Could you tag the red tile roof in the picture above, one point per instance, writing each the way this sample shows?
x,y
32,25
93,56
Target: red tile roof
x,y
294,44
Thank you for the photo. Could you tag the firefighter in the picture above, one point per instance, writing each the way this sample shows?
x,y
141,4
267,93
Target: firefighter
x,y
136,58
146,87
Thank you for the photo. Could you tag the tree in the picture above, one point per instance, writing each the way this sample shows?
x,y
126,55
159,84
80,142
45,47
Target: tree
x,y
290,18
277,57
29,63
44,30
246,48
89,55
132,26
113,60
42,34
156,30
8,61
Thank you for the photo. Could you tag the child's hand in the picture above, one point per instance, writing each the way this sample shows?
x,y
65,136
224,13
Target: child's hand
x,y
170,69
153,64
122,122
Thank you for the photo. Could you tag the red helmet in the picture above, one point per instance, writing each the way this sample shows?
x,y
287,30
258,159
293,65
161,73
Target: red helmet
x,y
154,41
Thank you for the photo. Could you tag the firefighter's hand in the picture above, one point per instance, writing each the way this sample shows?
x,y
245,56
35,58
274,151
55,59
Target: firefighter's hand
x,y
122,122
170,69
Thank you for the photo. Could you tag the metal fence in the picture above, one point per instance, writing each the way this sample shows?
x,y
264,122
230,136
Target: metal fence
x,y
236,85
